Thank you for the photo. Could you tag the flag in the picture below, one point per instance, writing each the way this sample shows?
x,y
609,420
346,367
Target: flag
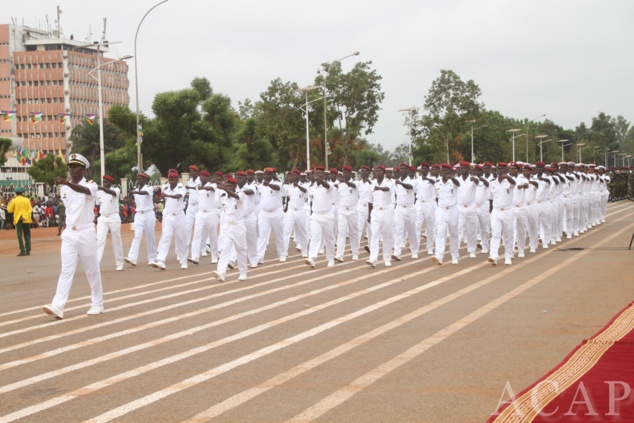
x,y
8,115
36,117
140,129
410,156
90,117
328,150
61,156
17,153
62,118
42,155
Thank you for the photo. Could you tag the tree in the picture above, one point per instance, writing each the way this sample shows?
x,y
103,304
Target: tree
x,y
252,152
86,141
47,168
450,104
5,145
355,97
203,87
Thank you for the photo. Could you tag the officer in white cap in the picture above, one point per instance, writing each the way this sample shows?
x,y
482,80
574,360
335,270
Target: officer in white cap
x,y
79,240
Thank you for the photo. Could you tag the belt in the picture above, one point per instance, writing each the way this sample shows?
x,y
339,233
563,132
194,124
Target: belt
x,y
465,205
111,214
404,205
519,205
448,207
142,211
529,203
501,208
82,227
347,208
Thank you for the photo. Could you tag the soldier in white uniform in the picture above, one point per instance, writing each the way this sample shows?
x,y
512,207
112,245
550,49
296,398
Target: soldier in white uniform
x,y
447,215
271,218
467,212
405,214
482,205
109,220
545,208
79,240
295,213
604,181
322,219
381,210
192,204
205,216
520,210
426,206
501,193
173,222
347,215
232,235
365,197
144,221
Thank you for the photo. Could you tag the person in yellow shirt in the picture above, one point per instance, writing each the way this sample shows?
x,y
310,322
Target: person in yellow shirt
x,y
22,210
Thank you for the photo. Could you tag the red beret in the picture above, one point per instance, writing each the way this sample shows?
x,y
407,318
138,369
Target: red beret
x,y
142,175
204,173
218,173
172,174
296,172
517,165
435,166
250,171
403,165
487,164
479,167
269,170
347,168
108,178
333,170
231,180
423,164
380,166
241,173
555,164
540,164
501,164
320,168
464,163
194,167
366,167
412,168
447,166
274,169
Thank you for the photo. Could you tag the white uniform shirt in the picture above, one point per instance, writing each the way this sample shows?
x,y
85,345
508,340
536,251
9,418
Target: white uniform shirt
x,y
173,205
466,191
193,193
501,193
543,188
382,199
321,198
248,201
424,190
144,203
447,193
405,197
296,198
232,208
348,196
271,199
206,199
79,207
365,194
519,195
108,204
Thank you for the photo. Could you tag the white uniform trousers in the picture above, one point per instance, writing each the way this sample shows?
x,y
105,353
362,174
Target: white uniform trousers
x,y
271,221
382,229
554,213
426,215
232,237
520,225
467,223
405,228
190,219
545,222
583,214
110,224
79,243
322,227
569,216
605,195
484,223
348,225
533,225
362,219
295,220
447,222
206,225
144,223
560,216
594,208
577,211
502,229
173,225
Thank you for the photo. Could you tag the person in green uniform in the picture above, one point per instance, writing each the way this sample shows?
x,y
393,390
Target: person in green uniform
x,y
22,210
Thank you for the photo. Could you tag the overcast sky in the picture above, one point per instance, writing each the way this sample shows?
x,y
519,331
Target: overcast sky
x,y
569,59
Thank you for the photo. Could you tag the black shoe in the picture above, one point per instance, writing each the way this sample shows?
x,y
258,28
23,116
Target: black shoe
x,y
28,253
21,254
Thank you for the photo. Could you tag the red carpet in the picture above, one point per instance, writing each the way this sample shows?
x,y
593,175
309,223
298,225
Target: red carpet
x,y
595,383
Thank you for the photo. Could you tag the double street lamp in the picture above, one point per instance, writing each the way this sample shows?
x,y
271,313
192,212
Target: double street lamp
x,y
102,156
513,132
409,111
526,126
136,87
305,90
542,142
580,148
564,143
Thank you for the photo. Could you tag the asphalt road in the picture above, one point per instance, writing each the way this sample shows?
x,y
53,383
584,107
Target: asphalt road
x,y
412,343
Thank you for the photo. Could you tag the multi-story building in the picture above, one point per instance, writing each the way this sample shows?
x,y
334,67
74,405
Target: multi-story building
x,y
43,75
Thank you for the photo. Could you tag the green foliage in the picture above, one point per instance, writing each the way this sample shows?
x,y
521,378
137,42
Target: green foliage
x,y
85,139
203,87
47,168
5,145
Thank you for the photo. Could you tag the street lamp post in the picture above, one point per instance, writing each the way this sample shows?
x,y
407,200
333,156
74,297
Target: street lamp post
x,y
513,132
542,142
580,148
615,152
563,143
356,53
409,111
305,90
136,87
473,129
540,138
102,157
536,117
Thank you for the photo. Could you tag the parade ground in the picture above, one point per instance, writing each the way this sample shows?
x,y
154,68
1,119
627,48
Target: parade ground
x,y
414,342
